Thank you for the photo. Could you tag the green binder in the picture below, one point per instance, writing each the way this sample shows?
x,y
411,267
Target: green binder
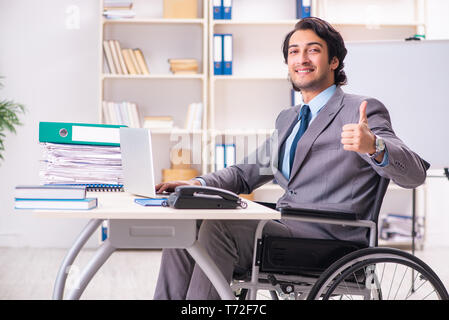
x,y
80,133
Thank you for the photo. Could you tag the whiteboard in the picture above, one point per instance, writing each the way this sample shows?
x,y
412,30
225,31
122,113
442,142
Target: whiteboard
x,y
412,80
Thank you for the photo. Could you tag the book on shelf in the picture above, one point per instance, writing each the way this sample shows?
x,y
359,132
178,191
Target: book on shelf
x,y
118,12
109,59
50,192
129,62
124,60
183,66
120,57
121,113
132,55
117,4
115,58
194,117
69,204
151,122
141,61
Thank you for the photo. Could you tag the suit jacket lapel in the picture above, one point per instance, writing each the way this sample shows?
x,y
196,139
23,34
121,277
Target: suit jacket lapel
x,y
322,120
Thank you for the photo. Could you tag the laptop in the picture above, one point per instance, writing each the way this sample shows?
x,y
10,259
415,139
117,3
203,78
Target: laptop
x,y
137,162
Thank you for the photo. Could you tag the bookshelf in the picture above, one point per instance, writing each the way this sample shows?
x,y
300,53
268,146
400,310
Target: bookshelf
x,y
161,93
240,108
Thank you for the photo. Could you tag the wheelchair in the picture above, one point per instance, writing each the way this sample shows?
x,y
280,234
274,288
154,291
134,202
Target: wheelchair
x,y
319,269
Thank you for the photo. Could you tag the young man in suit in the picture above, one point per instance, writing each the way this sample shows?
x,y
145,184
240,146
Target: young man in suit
x,y
328,153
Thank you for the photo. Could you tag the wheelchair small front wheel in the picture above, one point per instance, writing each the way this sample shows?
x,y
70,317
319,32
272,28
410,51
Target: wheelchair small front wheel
x,y
379,274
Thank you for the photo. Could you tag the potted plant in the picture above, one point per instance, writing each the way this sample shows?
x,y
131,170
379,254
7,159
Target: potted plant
x,y
9,119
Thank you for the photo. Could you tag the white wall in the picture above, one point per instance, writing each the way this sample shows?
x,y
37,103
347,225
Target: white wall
x,y
51,66
50,63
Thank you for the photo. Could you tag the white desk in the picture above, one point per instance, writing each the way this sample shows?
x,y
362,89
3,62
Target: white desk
x,y
138,227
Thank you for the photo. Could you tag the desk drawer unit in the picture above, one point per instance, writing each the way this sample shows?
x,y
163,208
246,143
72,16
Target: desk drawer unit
x,y
151,234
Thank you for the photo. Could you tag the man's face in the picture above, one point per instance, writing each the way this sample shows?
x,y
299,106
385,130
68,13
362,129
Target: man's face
x,y
308,62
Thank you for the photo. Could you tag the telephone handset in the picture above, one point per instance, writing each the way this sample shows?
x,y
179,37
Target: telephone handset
x,y
202,197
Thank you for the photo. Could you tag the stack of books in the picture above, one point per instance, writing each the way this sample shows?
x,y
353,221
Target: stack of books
x,y
124,60
158,122
53,197
118,9
183,66
121,113
180,166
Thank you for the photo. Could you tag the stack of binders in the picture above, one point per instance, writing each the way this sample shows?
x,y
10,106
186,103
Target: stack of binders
x,y
224,156
81,154
223,54
117,9
53,197
222,9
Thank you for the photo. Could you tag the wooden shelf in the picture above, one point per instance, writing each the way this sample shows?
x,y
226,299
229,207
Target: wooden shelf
x,y
255,22
153,21
250,77
387,25
163,131
240,132
154,76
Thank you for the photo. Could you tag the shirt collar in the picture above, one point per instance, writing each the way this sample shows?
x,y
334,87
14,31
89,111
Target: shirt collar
x,y
317,103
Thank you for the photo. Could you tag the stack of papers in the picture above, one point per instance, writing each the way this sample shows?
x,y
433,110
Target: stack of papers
x,y
80,164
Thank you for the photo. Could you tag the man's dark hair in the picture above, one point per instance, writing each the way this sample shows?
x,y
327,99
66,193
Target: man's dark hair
x,y
335,44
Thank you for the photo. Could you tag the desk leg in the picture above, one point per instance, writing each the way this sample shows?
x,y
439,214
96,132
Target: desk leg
x,y
211,270
101,255
88,230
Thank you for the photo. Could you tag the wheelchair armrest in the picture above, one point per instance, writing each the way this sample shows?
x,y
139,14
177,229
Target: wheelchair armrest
x,y
323,214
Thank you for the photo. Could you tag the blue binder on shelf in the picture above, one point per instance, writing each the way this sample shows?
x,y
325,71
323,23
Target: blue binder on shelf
x,y
227,54
218,54
229,155
218,9
303,8
227,9
296,97
220,157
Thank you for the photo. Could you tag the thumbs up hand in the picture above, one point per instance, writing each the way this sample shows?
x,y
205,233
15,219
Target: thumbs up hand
x,y
357,136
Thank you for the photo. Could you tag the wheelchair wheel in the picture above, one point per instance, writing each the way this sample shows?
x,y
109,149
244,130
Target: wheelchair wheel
x,y
378,274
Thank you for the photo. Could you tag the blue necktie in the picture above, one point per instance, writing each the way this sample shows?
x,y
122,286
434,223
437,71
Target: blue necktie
x,y
304,117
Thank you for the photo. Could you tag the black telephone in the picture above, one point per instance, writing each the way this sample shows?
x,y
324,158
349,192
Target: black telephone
x,y
197,197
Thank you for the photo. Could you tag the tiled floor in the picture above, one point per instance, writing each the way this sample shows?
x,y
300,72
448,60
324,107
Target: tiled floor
x,y
29,273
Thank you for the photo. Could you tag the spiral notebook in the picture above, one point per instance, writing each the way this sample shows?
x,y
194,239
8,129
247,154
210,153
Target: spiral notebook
x,y
100,187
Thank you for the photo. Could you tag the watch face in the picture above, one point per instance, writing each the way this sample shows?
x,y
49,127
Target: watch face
x,y
380,145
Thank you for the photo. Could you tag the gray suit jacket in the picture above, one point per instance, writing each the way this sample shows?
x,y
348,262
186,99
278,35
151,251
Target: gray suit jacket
x,y
324,175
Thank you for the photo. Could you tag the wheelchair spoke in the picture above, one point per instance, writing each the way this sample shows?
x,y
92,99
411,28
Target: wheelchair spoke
x,y
400,284
392,280
429,294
